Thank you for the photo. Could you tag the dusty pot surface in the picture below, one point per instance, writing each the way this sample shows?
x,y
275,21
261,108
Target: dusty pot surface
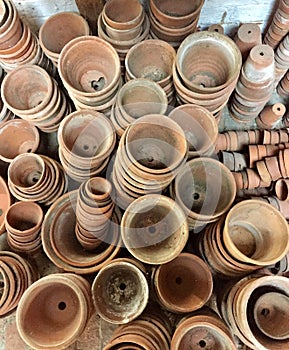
x,y
120,292
154,229
5,201
184,284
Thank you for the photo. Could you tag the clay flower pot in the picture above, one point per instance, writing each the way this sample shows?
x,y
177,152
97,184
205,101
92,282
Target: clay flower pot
x,y
174,287
58,30
16,137
251,220
149,226
205,189
23,223
199,126
5,203
120,292
64,309
282,189
248,36
117,15
203,331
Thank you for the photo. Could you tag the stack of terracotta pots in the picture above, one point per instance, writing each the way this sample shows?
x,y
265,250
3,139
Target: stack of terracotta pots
x,y
202,330
60,242
136,98
32,94
150,153
249,179
154,229
36,178
16,137
256,309
18,45
5,203
58,30
173,22
152,330
206,70
86,139
234,161
205,189
94,210
274,137
200,128
283,87
238,140
23,222
120,291
123,24
66,307
259,152
153,60
173,288
255,85
271,116
248,36
17,275
89,68
281,59
238,243
279,25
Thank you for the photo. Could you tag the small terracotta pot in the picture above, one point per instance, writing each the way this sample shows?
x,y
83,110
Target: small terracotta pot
x,y
251,220
173,283
199,126
5,203
58,30
120,292
248,36
147,237
216,28
64,307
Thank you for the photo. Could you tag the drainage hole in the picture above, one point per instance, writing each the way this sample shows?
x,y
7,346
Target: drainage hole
x,y
249,31
202,343
152,229
265,312
150,159
62,306
179,280
262,54
203,85
122,286
216,30
98,85
29,150
85,147
196,196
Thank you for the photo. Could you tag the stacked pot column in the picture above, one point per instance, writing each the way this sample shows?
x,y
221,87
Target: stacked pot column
x,y
123,24
18,45
94,210
206,70
279,26
32,94
58,30
255,85
281,59
173,22
153,60
283,86
135,99
86,140
89,68
150,153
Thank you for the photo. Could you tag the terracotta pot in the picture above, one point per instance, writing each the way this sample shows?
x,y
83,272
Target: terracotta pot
x,y
23,223
216,28
220,48
282,189
151,240
64,308
272,114
172,283
252,220
58,30
61,245
120,292
119,19
248,36
175,16
199,126
5,203
205,189
204,332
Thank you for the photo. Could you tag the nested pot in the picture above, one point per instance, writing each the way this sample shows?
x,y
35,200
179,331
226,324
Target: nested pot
x,y
205,189
120,291
200,128
58,30
154,229
65,310
184,284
